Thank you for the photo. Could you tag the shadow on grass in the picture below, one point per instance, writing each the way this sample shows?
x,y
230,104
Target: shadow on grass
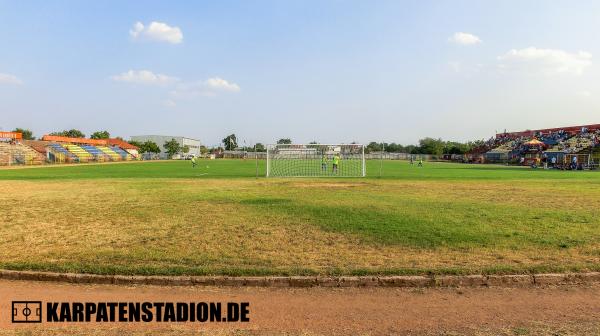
x,y
416,224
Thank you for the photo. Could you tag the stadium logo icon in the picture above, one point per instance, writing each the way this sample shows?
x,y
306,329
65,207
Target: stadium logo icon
x,y
27,312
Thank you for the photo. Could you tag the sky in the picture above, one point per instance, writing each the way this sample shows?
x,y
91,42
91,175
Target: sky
x,y
326,71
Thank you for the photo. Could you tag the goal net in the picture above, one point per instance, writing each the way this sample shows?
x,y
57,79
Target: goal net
x,y
316,160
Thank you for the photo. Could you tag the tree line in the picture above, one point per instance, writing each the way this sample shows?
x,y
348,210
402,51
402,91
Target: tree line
x,y
72,133
425,146
230,142
172,147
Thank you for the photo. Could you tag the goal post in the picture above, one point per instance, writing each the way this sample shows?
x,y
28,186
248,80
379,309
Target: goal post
x,y
316,160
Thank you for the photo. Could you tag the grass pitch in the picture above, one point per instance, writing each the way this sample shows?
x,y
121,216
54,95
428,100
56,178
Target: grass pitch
x,y
167,218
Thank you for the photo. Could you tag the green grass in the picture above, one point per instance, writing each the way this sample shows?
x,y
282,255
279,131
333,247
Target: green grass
x,y
208,169
167,218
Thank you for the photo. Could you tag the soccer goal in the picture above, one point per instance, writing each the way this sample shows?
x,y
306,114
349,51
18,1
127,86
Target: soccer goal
x,y
316,160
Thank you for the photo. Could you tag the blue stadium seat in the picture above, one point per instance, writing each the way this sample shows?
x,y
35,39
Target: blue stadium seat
x,y
120,151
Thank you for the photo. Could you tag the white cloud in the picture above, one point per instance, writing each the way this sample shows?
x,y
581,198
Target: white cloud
x,y
546,61
208,88
157,31
10,79
464,38
178,89
217,83
144,77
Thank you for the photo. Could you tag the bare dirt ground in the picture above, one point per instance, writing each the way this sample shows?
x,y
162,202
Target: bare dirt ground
x,y
564,310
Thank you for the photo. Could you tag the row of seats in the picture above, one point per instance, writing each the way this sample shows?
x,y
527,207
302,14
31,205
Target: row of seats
x,y
110,153
573,144
86,153
96,153
36,152
504,148
58,153
19,154
80,153
122,153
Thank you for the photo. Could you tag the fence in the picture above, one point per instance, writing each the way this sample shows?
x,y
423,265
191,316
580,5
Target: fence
x,y
244,155
370,156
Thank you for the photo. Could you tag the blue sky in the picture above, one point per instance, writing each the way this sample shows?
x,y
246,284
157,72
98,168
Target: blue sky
x,y
331,71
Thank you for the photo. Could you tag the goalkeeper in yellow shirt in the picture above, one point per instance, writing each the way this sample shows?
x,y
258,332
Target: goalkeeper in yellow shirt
x,y
336,163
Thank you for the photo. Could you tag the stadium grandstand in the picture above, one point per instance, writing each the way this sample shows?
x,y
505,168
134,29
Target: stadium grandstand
x,y
574,147
58,149
13,151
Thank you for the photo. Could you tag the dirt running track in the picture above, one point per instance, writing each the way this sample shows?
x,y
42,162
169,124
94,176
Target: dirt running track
x,y
352,311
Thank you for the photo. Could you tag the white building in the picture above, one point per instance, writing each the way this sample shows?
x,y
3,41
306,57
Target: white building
x,y
192,144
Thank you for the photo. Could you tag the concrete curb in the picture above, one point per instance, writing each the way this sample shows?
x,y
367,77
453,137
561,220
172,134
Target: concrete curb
x,y
416,281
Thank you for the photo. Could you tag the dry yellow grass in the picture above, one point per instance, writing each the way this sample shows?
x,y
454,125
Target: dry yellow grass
x,y
214,226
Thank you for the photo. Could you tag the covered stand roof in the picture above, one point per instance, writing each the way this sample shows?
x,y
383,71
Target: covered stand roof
x,y
93,142
535,142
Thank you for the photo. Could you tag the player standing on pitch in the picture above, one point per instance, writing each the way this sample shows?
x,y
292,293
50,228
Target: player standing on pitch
x,y
336,162
193,162
323,162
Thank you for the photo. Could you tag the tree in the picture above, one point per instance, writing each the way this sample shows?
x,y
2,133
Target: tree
x,y
185,149
426,146
373,147
203,150
432,146
312,143
394,148
135,143
100,135
72,133
456,148
411,149
260,147
230,142
27,134
172,147
285,141
146,147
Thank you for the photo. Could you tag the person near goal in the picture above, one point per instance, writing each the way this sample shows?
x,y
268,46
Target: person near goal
x,y
323,162
336,163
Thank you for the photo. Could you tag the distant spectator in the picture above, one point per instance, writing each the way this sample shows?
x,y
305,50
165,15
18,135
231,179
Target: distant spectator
x,y
545,161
